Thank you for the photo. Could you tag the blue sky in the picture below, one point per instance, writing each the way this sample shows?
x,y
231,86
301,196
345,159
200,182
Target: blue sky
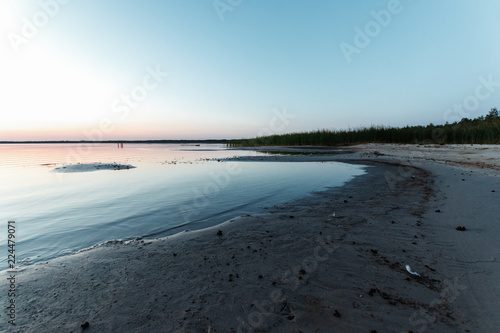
x,y
234,65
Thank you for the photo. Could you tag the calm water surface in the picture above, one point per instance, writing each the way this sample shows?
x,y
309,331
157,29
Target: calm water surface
x,y
172,188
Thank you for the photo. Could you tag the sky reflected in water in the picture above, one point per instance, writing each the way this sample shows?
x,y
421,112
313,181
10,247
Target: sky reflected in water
x,y
172,188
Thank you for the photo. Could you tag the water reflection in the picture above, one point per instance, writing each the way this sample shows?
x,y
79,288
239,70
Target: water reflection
x,y
172,187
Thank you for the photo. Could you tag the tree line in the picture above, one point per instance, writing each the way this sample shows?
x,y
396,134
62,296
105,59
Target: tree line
x,y
480,130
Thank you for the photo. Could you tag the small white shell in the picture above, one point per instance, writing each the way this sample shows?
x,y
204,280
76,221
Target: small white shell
x,y
408,268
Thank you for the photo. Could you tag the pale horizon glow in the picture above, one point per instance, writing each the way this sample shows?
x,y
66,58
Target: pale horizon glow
x,y
184,69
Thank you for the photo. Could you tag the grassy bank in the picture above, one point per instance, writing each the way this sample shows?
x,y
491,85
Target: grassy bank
x,y
481,130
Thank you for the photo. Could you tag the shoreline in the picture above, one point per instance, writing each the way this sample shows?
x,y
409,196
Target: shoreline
x,y
297,268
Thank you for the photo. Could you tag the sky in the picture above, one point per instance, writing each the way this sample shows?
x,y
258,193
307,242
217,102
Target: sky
x,y
205,69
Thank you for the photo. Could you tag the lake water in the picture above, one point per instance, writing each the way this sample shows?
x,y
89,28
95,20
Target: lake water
x,y
172,188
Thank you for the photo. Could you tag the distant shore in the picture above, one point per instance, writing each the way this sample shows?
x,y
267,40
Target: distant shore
x,y
334,261
222,141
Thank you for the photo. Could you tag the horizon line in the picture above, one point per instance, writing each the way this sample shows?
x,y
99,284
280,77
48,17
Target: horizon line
x,y
120,141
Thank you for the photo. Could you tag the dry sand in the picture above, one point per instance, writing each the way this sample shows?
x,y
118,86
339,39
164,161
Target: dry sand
x,y
298,268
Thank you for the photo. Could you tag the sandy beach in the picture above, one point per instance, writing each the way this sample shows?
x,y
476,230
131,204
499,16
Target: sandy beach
x,y
335,261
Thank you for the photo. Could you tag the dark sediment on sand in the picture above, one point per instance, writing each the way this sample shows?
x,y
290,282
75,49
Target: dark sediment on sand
x,y
297,268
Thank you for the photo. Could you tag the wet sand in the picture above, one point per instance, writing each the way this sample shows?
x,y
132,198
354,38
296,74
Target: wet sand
x,y
89,167
298,268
